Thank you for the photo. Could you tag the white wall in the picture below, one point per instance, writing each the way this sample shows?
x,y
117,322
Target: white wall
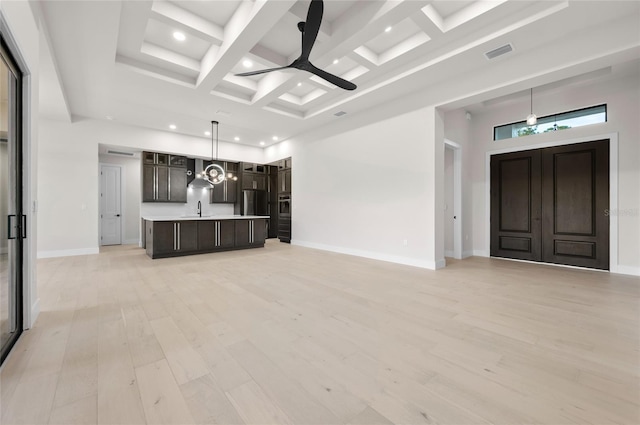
x,y
622,96
22,28
366,191
69,218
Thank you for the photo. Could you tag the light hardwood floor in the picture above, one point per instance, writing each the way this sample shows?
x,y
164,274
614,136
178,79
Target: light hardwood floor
x,y
289,335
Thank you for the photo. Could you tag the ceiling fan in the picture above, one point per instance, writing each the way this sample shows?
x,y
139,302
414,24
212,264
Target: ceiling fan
x,y
309,30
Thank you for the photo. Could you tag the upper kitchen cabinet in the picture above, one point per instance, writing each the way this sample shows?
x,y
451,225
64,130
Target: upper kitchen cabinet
x,y
164,178
284,164
284,181
254,181
226,192
248,167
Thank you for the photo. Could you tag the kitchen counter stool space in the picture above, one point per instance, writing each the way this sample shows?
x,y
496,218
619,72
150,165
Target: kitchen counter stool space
x,y
177,236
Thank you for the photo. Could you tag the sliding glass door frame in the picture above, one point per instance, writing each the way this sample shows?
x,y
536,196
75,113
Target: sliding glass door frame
x,y
15,221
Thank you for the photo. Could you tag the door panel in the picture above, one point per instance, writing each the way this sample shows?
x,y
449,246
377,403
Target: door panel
x,y
575,199
515,205
13,223
550,205
110,214
177,184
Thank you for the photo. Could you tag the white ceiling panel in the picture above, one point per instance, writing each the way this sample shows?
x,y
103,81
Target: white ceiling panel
x,y
161,34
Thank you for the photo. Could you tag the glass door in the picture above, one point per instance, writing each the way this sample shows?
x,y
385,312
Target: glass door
x,y
12,222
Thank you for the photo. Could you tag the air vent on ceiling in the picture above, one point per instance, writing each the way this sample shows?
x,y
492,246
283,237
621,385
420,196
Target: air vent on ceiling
x,y
339,114
499,51
119,153
223,113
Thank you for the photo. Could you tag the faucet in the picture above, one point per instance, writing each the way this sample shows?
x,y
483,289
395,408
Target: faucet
x,y
199,208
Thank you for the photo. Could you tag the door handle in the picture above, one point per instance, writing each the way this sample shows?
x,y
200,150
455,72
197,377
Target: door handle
x,y
117,215
10,227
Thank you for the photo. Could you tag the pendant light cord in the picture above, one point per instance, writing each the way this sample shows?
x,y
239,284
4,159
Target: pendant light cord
x,y
532,100
217,126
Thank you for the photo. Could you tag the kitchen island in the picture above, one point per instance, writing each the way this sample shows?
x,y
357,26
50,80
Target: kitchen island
x,y
168,236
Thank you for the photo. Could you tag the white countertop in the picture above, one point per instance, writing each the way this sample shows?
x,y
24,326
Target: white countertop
x,y
210,217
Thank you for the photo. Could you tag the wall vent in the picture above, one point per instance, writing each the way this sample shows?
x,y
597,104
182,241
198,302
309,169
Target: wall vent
x,y
339,114
119,153
499,51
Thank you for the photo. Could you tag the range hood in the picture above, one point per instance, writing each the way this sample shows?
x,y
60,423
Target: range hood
x,y
199,182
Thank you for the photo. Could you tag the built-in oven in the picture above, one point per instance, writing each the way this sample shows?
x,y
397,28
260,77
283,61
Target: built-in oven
x,y
284,205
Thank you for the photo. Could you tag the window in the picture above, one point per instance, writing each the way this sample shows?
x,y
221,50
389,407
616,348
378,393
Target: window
x,y
562,121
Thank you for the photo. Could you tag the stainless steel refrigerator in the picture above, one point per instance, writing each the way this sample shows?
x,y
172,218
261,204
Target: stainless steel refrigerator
x,y
255,202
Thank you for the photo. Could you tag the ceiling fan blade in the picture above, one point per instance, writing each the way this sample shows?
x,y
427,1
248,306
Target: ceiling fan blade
x,y
311,27
340,82
261,71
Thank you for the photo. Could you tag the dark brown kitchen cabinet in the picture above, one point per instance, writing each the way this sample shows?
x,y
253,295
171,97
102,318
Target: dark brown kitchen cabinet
x,y
226,192
177,185
248,167
172,237
162,181
213,234
284,164
254,181
250,232
155,158
284,181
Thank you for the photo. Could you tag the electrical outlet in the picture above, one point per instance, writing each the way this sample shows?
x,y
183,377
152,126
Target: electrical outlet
x,y
405,242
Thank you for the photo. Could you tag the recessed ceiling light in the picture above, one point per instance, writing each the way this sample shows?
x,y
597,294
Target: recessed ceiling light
x,y
387,29
275,138
172,126
207,133
237,139
179,36
335,61
261,143
299,84
247,63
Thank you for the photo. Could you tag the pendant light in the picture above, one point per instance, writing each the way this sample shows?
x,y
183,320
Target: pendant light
x,y
214,173
532,119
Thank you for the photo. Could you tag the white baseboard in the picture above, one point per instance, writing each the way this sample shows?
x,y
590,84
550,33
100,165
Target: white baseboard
x,y
68,252
135,241
467,254
629,270
480,253
431,265
440,263
449,254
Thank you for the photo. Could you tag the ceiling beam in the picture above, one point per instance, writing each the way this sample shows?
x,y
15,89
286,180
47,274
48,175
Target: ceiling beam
x,y
250,22
349,32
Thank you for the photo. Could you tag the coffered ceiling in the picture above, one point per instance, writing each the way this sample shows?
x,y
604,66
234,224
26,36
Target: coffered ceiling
x,y
120,59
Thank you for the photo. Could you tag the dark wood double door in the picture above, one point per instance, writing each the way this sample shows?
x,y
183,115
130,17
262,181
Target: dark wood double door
x,y
551,204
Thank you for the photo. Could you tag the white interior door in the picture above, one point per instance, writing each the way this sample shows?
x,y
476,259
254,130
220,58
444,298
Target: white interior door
x,y
110,211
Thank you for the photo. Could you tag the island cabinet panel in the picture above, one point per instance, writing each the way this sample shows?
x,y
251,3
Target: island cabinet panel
x,y
162,237
172,238
250,232
206,234
227,233
187,236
